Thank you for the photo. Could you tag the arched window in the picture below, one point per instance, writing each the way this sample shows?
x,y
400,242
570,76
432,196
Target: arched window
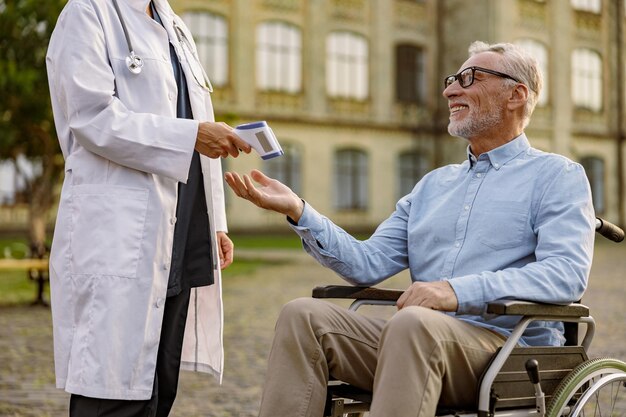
x,y
347,74
351,179
410,74
210,32
412,166
594,168
287,168
279,57
540,53
593,6
587,79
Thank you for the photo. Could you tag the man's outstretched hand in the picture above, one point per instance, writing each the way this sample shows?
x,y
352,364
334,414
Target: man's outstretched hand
x,y
271,194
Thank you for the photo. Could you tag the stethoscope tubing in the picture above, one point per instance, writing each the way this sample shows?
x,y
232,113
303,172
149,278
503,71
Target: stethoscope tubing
x,y
133,61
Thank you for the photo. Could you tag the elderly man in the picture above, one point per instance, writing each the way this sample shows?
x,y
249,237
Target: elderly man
x,y
509,220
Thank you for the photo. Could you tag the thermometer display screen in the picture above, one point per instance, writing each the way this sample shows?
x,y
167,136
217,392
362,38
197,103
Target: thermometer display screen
x,y
265,143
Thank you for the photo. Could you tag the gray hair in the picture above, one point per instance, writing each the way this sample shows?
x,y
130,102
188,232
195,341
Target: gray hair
x,y
517,63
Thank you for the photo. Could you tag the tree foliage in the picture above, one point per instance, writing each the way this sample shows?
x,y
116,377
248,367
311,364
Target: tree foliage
x,y
26,124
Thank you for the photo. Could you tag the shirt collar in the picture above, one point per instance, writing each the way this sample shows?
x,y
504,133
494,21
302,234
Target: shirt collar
x,y
142,5
499,156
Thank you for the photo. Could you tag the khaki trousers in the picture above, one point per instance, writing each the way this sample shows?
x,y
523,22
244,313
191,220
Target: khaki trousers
x,y
411,363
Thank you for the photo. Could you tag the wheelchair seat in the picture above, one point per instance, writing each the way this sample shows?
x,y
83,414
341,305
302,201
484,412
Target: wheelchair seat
x,y
504,385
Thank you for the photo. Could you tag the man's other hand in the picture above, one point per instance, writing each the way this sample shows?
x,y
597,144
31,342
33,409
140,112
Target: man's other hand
x,y
437,295
271,195
217,140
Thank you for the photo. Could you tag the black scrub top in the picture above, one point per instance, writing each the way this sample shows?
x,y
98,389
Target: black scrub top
x,y
191,254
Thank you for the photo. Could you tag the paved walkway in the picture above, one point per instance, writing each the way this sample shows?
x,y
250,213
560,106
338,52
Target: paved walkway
x,y
252,303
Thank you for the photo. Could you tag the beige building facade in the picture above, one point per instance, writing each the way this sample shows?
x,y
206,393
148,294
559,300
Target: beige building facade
x,y
352,89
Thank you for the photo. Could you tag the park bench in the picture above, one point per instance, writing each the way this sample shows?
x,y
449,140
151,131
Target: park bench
x,y
36,269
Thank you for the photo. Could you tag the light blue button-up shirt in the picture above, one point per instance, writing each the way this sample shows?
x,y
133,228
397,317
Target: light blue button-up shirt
x,y
514,223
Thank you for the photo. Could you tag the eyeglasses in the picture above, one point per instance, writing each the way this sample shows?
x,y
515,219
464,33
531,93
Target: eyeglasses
x,y
196,67
466,76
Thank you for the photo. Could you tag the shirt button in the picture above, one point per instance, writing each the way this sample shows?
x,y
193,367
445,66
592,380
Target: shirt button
x,y
496,165
166,266
159,303
479,175
457,244
467,207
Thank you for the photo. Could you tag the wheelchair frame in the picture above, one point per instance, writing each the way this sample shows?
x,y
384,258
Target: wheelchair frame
x,y
574,383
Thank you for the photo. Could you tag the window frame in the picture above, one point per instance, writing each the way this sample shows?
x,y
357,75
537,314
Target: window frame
x,y
587,84
411,84
288,168
213,48
351,179
411,174
347,65
278,57
597,180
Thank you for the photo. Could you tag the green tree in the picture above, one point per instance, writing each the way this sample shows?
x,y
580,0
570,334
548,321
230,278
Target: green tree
x,y
26,124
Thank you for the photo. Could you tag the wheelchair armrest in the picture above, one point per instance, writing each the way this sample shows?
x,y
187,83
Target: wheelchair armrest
x,y
527,308
356,293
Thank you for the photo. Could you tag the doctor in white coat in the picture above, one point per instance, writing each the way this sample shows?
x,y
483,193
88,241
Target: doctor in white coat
x,y
127,154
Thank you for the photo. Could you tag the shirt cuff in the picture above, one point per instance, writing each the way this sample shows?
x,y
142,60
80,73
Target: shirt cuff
x,y
468,294
310,227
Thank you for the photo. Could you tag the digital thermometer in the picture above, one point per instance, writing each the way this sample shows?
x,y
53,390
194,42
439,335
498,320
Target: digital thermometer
x,y
260,136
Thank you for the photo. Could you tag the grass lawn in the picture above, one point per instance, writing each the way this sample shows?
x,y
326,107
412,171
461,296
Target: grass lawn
x,y
17,288
291,241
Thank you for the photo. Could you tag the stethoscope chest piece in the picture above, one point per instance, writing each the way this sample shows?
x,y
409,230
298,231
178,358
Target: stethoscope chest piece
x,y
134,63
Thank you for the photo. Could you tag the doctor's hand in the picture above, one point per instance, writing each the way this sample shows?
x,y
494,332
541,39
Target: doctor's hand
x,y
225,249
437,295
218,140
270,195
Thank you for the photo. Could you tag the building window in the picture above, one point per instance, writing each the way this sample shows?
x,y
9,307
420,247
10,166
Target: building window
x,y
412,166
594,168
587,79
279,57
351,179
410,78
347,66
210,32
287,168
540,53
593,6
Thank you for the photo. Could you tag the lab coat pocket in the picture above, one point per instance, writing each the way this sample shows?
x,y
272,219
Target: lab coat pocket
x,y
503,224
108,224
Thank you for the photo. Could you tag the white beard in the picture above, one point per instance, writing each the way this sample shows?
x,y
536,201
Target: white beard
x,y
474,125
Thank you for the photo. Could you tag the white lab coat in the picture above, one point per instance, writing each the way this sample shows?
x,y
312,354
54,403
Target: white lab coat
x,y
125,153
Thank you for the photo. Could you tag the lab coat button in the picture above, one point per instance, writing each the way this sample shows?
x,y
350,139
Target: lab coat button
x,y
159,303
166,266
173,220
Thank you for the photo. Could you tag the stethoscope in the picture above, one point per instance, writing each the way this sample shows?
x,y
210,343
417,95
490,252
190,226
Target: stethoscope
x,y
135,63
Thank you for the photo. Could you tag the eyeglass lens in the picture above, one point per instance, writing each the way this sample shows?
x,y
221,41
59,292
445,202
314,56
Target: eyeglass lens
x,y
465,78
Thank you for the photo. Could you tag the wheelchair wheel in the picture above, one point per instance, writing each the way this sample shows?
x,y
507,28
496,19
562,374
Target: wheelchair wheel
x,y
594,388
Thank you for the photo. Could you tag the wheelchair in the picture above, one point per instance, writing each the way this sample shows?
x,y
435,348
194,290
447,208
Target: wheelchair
x,y
519,381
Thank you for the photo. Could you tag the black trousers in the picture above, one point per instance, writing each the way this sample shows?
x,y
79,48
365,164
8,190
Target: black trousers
x,y
165,379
